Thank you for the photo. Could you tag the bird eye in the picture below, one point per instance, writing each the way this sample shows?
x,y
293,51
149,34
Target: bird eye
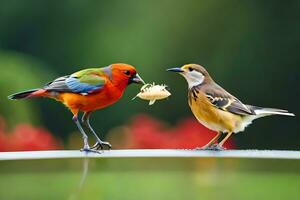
x,y
191,69
127,72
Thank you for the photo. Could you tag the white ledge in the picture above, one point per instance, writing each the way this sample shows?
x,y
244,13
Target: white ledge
x,y
153,153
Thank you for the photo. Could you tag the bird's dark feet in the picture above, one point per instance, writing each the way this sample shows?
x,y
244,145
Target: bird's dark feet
x,y
214,147
89,150
101,145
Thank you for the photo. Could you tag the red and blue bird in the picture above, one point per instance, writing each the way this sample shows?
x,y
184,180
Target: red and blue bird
x,y
86,91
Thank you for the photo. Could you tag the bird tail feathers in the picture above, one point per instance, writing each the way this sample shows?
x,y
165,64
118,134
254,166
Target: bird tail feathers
x,y
261,112
27,94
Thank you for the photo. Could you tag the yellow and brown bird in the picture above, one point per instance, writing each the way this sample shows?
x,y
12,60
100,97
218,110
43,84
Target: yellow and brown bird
x,y
217,109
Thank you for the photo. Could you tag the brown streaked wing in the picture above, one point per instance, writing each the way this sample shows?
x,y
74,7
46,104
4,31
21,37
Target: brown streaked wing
x,y
223,100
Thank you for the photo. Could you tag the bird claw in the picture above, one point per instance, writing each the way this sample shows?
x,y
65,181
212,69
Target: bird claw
x,y
100,145
89,150
214,147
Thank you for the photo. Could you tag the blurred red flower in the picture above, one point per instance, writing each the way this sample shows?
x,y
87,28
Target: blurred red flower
x,y
26,138
3,136
145,132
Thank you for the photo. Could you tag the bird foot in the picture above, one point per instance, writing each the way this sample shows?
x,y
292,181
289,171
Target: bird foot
x,y
214,147
101,145
89,150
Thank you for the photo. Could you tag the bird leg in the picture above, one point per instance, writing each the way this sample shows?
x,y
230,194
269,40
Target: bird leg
x,y
86,146
99,144
224,140
219,146
209,145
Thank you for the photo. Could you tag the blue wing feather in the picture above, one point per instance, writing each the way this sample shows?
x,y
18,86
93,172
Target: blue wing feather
x,y
85,82
78,87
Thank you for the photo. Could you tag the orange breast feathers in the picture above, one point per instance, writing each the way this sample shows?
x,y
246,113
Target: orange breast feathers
x,y
108,95
212,117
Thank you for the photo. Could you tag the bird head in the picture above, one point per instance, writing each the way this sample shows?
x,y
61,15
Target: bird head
x,y
193,73
124,74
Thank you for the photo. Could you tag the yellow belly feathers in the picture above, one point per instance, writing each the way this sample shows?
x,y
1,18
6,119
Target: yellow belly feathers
x,y
212,117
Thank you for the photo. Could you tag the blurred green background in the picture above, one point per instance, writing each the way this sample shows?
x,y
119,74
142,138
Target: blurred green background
x,y
251,48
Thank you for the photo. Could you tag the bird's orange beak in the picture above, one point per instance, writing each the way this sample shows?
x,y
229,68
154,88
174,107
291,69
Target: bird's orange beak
x,y
136,79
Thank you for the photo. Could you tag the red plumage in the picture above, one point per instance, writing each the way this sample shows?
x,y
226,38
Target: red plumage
x,y
88,90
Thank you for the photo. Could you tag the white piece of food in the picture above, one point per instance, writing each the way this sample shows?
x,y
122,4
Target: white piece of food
x,y
153,92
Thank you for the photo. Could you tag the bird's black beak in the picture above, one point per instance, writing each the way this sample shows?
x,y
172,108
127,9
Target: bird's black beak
x,y
176,69
136,79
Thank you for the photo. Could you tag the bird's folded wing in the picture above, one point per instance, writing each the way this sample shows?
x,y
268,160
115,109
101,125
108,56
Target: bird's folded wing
x,y
85,81
225,101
